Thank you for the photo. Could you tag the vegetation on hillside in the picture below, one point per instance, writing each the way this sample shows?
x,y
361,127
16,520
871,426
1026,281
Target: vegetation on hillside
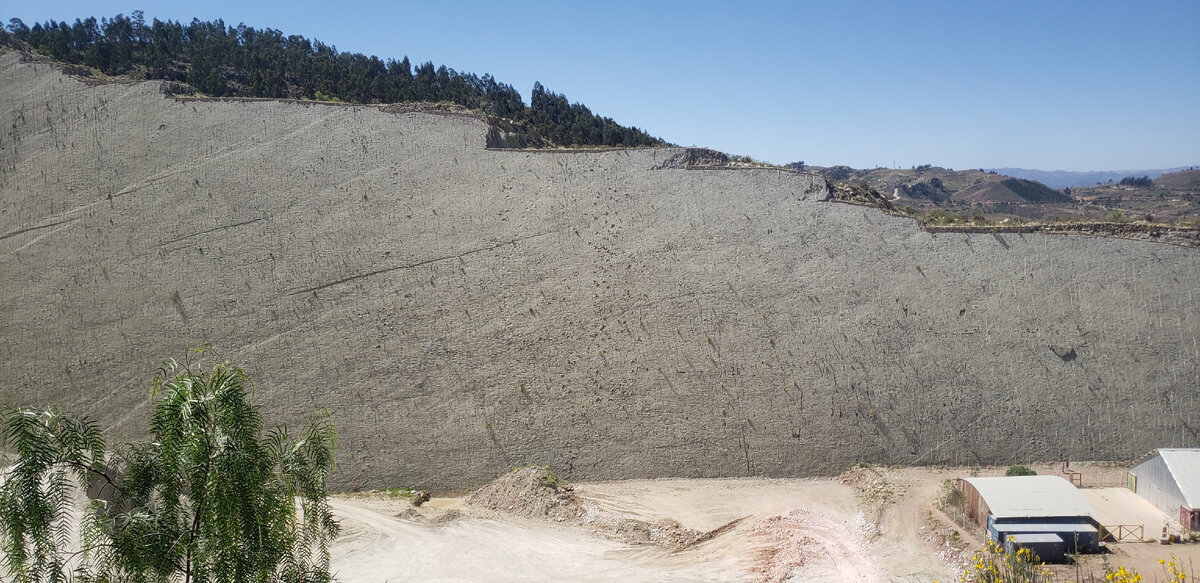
x,y
1143,182
243,61
1034,192
1172,197
208,498
947,197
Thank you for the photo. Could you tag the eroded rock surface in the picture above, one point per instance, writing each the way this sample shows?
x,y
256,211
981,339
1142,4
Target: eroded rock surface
x,y
463,311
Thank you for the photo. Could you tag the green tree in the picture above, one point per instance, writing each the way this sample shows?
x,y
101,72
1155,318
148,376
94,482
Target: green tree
x,y
838,172
224,60
209,499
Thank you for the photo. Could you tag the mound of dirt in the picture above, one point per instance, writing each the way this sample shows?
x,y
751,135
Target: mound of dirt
x,y
531,492
789,548
807,537
434,518
665,533
875,491
536,492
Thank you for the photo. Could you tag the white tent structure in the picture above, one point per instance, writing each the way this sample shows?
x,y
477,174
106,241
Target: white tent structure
x,y
1170,479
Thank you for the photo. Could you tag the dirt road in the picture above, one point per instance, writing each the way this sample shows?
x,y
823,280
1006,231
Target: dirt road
x,y
377,547
871,524
784,530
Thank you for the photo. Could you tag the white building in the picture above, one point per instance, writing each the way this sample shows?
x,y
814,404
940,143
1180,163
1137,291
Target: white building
x,y
1170,479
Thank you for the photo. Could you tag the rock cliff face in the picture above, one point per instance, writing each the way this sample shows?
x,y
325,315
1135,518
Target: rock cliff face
x,y
462,311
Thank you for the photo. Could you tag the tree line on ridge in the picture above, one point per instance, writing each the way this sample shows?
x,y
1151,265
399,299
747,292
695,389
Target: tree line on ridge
x,y
242,61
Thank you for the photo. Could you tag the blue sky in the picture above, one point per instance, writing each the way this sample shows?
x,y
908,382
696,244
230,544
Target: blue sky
x,y
1053,85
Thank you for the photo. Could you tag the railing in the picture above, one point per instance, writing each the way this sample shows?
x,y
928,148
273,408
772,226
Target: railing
x,y
1075,478
1122,532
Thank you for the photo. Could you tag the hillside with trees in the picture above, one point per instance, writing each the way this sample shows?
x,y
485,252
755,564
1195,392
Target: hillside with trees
x,y
227,61
1059,179
1174,196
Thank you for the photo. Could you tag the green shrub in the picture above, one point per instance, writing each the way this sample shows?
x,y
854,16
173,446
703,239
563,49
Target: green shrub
x,y
550,479
951,497
1117,217
1020,471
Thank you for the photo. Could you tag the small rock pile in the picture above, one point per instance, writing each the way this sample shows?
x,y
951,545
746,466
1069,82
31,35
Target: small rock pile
x,y
536,492
789,546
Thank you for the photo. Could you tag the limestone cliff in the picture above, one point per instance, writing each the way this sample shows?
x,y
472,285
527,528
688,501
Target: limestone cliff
x,y
462,310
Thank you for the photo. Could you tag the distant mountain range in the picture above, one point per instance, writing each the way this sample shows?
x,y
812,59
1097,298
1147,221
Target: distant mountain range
x,y
1000,194
1059,179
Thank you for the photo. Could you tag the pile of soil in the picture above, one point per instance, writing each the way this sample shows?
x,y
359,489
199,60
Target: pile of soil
x,y
805,537
536,492
434,518
530,492
664,533
789,547
872,485
875,491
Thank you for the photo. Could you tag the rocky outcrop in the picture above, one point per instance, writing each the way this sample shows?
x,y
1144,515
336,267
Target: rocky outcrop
x,y
461,311
688,158
858,193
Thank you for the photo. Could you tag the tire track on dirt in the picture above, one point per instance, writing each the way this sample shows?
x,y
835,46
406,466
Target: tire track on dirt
x,y
808,546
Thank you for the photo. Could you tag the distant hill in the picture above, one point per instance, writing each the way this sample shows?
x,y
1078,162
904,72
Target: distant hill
x,y
920,185
1183,181
1171,196
929,184
1059,179
1010,190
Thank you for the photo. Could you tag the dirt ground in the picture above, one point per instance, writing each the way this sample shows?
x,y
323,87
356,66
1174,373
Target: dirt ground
x,y
870,524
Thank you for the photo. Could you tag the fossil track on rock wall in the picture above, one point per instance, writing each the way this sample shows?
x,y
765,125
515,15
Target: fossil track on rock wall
x,y
462,311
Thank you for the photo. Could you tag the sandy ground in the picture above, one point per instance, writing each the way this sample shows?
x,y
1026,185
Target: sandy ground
x,y
782,530
1119,507
868,525
872,525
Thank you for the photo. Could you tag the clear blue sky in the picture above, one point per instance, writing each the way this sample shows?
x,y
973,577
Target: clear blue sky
x,y
1053,85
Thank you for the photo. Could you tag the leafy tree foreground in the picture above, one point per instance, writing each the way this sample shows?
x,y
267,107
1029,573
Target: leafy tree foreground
x,y
243,61
209,498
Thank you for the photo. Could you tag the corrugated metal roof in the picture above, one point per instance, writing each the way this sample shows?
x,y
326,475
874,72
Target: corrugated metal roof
x,y
1031,496
1007,527
1185,467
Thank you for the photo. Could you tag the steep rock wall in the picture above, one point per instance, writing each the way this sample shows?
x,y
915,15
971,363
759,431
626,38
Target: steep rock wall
x,y
462,311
